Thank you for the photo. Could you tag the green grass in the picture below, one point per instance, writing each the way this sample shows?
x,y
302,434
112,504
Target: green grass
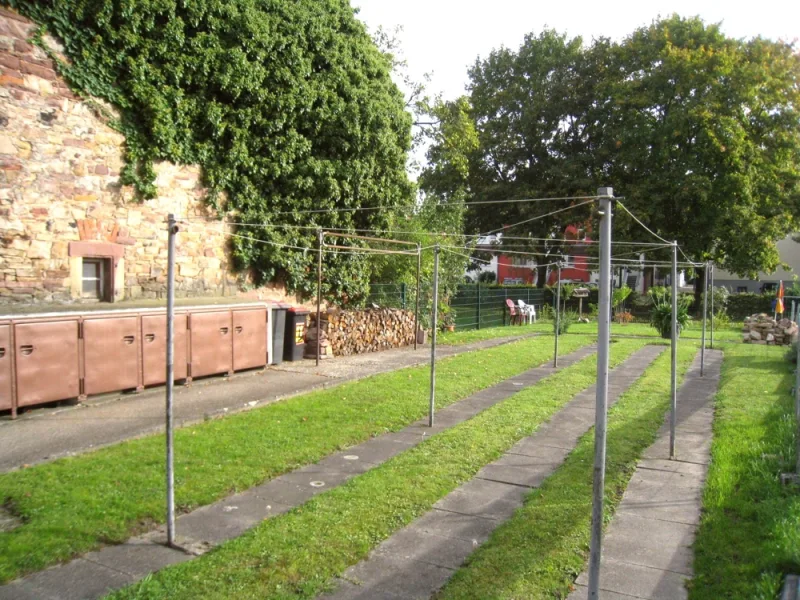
x,y
295,555
693,332
73,505
542,549
749,535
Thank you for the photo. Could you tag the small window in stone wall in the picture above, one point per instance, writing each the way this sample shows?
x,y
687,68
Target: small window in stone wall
x,y
95,278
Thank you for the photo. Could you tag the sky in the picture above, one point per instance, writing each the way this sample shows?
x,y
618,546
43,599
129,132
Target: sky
x,y
444,37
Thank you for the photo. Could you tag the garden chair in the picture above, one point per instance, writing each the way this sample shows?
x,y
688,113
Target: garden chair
x,y
528,311
513,313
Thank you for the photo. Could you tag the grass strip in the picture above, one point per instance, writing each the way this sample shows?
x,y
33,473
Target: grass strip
x,y
73,505
749,535
540,551
295,555
731,333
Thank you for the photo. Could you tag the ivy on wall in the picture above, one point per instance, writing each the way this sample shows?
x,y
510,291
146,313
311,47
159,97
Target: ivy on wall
x,y
286,104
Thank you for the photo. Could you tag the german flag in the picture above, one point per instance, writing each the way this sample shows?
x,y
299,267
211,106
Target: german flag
x,y
779,303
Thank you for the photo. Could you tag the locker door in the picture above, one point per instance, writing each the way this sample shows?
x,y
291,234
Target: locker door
x,y
211,343
111,354
249,339
154,348
47,361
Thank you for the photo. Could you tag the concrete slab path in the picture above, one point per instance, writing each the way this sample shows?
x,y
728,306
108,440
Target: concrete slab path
x,y
647,548
48,433
419,559
98,573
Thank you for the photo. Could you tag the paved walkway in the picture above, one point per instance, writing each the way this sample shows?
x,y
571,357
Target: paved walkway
x,y
418,560
113,567
48,433
647,548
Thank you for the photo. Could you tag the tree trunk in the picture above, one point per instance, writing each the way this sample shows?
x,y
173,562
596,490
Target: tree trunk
x,y
541,276
698,288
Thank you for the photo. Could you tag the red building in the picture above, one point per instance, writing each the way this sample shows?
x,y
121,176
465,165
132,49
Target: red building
x,y
576,267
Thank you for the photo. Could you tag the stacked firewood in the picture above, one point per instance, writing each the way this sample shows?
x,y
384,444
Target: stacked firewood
x,y
369,330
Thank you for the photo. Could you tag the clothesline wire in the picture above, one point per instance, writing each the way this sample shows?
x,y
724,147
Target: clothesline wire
x,y
646,228
538,217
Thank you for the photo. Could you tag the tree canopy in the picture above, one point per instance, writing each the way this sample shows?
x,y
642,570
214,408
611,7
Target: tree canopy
x,y
699,132
287,105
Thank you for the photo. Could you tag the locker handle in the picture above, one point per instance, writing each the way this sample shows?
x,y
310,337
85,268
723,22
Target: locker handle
x,y
128,339
26,350
150,337
239,329
2,352
223,330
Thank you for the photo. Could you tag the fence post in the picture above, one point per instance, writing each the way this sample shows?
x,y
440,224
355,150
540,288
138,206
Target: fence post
x,y
705,318
320,237
478,290
558,316
711,332
601,408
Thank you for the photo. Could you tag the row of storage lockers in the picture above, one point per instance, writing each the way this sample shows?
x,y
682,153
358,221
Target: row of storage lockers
x,y
59,357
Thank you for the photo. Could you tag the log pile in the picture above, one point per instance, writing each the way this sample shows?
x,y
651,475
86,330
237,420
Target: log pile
x,y
368,330
763,329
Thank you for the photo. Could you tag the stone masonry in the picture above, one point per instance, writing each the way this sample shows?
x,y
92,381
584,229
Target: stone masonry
x,y
61,200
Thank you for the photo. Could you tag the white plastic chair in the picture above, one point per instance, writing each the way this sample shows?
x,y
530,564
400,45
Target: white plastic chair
x,y
528,311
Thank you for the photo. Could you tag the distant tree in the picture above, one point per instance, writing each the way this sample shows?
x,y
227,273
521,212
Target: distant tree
x,y
699,132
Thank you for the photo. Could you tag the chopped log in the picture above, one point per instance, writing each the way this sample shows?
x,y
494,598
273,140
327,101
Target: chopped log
x,y
370,330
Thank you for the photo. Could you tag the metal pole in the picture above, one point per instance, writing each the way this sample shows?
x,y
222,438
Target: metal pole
x,y
601,407
558,316
435,309
319,291
705,316
416,302
172,230
712,307
673,416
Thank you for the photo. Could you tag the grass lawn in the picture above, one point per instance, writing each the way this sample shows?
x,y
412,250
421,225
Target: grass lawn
x,y
540,551
75,504
693,332
749,535
296,554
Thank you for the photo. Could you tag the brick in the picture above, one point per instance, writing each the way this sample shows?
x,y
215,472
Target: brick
x,y
101,170
10,62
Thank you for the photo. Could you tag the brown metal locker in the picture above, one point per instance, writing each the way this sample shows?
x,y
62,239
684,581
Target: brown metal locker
x,y
111,354
154,348
46,357
211,343
249,339
5,367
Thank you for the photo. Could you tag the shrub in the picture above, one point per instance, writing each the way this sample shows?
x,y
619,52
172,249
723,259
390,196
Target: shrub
x,y
743,305
567,318
546,313
619,295
623,317
721,320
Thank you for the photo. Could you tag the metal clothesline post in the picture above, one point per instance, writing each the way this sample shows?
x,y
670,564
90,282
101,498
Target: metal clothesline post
x,y
601,408
320,237
416,302
435,310
558,315
711,291
172,230
673,413
705,318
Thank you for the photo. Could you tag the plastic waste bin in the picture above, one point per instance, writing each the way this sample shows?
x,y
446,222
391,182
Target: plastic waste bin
x,y
294,341
278,332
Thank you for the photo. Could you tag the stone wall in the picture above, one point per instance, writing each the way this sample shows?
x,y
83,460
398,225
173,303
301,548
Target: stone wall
x,y
61,202
763,329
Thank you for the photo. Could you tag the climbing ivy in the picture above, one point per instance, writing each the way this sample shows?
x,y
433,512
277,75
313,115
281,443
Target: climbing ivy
x,y
287,105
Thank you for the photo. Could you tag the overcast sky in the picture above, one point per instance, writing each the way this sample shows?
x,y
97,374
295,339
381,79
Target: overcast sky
x,y
446,36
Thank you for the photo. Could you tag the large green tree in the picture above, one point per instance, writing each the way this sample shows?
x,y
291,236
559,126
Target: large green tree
x,y
288,105
699,132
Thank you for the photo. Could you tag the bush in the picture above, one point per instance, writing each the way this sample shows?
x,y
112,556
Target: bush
x,y
623,317
546,313
743,305
721,298
567,318
721,320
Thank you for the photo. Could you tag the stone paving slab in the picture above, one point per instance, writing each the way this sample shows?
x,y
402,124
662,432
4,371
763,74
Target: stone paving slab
x,y
211,525
647,549
464,519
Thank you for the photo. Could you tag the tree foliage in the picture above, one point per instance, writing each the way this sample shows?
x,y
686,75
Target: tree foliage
x,y
287,105
699,132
